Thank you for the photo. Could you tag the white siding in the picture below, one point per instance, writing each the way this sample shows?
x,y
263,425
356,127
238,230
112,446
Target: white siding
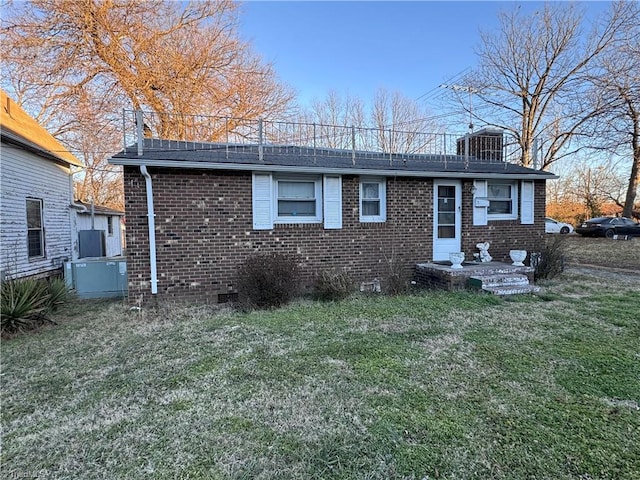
x,y
112,242
24,174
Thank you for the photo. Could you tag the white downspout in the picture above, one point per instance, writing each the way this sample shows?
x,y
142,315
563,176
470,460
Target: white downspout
x,y
152,230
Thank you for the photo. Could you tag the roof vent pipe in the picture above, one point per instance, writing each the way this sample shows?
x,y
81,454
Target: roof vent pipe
x,y
152,229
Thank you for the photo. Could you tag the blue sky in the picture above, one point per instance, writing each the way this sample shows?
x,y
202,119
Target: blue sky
x,y
359,47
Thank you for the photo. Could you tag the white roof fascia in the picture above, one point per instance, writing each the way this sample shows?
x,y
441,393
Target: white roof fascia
x,y
320,170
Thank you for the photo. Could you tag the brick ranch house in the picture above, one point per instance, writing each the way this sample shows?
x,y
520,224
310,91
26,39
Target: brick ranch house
x,y
212,205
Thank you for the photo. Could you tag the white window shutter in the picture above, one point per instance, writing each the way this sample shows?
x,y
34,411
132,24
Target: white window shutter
x,y
332,202
262,201
480,209
526,203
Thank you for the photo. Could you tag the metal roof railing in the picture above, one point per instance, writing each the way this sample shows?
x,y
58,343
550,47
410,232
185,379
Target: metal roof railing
x,y
187,132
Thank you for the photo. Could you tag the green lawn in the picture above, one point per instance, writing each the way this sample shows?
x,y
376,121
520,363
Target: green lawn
x,y
436,385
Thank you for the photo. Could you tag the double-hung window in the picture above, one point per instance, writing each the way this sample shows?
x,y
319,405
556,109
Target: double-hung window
x,y
373,199
503,201
110,226
298,199
35,229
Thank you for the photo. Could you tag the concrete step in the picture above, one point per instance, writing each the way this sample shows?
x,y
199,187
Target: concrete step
x,y
511,290
499,280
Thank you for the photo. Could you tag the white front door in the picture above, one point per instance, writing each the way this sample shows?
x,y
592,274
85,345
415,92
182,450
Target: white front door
x,y
446,218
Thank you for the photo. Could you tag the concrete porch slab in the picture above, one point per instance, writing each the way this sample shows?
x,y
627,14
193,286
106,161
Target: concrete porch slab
x,y
441,275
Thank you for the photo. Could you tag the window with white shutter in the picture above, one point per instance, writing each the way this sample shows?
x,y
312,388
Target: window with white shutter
x,y
297,199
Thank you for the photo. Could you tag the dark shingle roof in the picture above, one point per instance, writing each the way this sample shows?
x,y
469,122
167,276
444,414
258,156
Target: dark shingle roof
x,y
99,210
165,153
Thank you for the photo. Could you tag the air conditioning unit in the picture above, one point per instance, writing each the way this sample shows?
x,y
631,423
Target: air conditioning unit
x,y
97,278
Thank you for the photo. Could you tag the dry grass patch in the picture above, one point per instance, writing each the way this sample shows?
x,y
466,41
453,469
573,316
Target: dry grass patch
x,y
605,252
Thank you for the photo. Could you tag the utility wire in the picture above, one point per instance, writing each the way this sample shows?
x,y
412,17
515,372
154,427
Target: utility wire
x,y
429,95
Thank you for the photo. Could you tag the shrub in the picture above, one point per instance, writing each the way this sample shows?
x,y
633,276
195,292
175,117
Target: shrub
x,y
59,292
267,280
551,261
332,285
24,304
396,281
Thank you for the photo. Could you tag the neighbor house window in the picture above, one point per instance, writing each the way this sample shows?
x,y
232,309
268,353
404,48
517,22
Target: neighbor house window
x,y
110,226
502,198
298,199
35,230
373,200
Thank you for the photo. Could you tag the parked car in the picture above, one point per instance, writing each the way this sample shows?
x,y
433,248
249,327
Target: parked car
x,y
632,230
607,227
555,226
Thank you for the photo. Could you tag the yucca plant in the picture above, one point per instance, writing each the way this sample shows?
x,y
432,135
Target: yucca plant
x,y
59,293
23,304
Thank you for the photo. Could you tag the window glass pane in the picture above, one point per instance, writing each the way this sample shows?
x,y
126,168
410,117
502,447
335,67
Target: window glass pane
x,y
296,190
446,191
370,207
445,218
446,232
292,208
34,239
371,190
446,205
500,206
498,190
34,217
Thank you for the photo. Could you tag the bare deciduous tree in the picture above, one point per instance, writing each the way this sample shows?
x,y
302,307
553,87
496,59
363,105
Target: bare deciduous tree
x,y
402,123
96,134
616,83
592,185
531,80
393,123
173,59
161,56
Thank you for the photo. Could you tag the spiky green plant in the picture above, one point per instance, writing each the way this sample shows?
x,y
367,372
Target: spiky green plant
x,y
59,293
23,304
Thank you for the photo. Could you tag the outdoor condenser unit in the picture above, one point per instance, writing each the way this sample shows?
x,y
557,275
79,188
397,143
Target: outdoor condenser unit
x,y
91,243
97,278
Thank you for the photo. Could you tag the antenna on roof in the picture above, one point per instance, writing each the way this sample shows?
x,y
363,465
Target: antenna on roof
x,y
465,88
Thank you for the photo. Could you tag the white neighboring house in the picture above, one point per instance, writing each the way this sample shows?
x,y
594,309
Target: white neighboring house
x,y
107,220
37,206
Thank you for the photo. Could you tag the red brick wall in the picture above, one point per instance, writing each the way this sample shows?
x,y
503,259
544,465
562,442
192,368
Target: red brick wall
x,y
204,230
503,235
